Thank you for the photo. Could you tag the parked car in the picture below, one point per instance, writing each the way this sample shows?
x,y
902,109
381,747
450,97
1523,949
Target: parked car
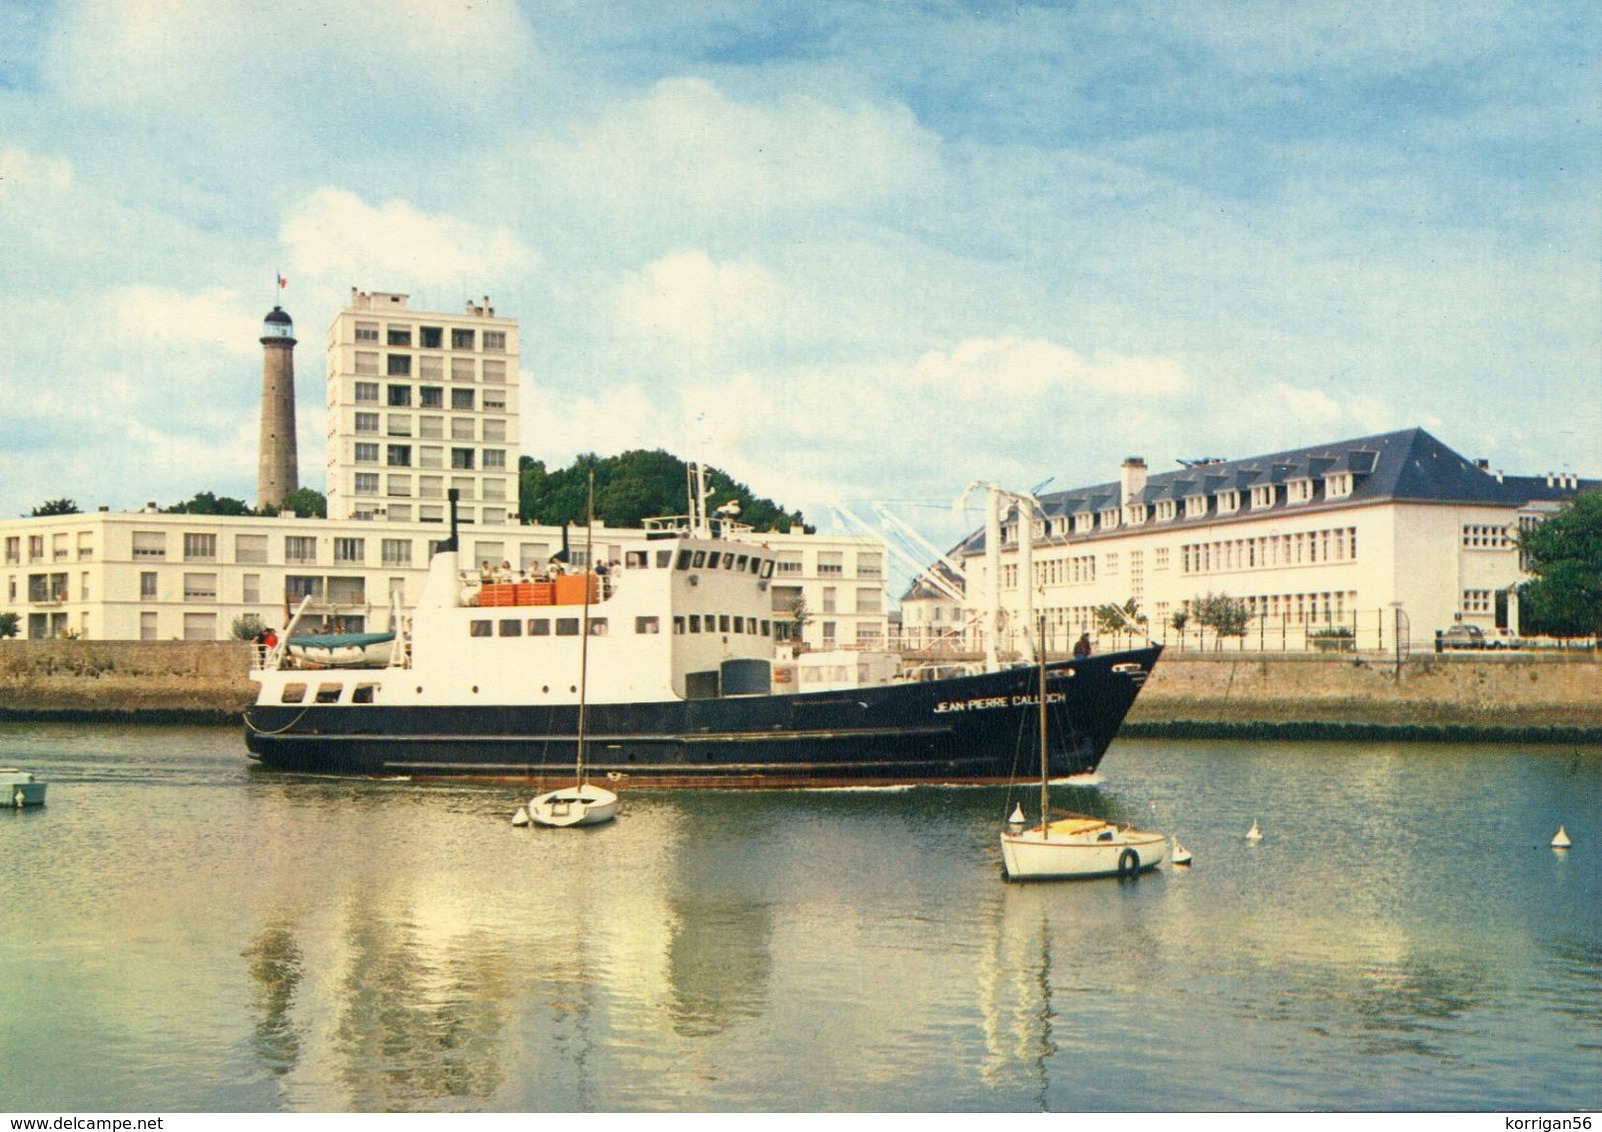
x,y
1461,637
1502,639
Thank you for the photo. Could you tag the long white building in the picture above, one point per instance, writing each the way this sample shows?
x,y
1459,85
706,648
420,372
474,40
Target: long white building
x,y
151,575
1351,539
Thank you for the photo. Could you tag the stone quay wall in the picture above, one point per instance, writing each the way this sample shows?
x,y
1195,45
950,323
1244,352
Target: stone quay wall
x,y
155,680
1556,695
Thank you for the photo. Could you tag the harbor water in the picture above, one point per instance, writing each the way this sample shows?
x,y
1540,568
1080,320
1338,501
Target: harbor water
x,y
185,932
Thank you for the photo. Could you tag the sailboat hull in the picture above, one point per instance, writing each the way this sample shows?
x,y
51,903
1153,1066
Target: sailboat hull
x,y
959,730
588,804
1105,851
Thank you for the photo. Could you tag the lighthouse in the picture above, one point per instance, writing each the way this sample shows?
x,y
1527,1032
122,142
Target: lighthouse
x,y
277,476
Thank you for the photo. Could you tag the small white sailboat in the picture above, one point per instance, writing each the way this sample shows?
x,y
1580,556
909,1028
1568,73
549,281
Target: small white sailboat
x,y
1561,840
1072,846
1179,855
1254,834
583,803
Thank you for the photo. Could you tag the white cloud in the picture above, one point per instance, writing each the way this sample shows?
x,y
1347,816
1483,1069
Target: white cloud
x,y
332,234
216,318
688,298
982,368
688,146
223,58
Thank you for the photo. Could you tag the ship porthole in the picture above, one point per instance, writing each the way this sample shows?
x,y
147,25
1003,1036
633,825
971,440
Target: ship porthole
x,y
419,689
475,689
545,690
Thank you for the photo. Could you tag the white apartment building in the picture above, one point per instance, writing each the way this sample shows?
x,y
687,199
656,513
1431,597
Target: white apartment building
x,y
151,575
1358,537
420,402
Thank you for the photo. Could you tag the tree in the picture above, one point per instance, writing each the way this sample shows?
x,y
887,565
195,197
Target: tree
x,y
798,618
307,503
247,627
631,488
1564,553
1226,616
56,507
9,624
1114,619
205,503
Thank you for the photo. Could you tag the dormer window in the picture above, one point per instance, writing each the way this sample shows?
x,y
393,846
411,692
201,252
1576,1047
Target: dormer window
x,y
1084,522
1262,496
1338,485
1299,491
1195,506
1166,509
1228,502
1135,514
1109,519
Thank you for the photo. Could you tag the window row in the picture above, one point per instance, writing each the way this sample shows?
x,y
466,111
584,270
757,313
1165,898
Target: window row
x,y
1485,537
429,428
60,548
401,456
432,337
1302,548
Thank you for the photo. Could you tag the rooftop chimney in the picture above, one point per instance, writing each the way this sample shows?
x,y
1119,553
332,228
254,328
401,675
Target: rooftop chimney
x,y
1133,479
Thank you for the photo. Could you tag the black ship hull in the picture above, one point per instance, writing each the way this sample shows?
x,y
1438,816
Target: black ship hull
x,y
968,730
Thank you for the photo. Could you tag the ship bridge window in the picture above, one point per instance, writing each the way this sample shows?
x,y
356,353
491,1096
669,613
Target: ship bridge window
x,y
767,567
293,694
684,560
695,622
712,560
739,624
479,629
329,693
511,627
767,628
740,562
539,627
678,626
634,560
723,622
728,561
663,557
567,626
650,625
363,694
598,627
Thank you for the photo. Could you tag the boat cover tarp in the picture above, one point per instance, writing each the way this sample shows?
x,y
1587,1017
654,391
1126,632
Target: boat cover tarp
x,y
340,640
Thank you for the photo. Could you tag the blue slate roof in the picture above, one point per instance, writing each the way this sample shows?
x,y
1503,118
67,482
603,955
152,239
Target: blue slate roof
x,y
1409,466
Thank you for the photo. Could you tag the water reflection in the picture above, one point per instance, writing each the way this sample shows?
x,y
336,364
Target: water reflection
x,y
274,962
719,962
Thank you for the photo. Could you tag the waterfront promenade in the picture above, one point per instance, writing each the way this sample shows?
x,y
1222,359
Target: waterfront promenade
x,y
1525,695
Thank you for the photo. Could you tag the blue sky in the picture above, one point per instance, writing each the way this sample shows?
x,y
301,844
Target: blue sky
x,y
848,252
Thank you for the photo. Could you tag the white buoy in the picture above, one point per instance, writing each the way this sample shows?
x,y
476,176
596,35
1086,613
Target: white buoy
x,y
1561,841
1254,834
1017,818
1181,855
521,817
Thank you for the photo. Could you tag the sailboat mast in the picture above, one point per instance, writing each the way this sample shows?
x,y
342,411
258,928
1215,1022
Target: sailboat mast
x,y
584,641
1045,787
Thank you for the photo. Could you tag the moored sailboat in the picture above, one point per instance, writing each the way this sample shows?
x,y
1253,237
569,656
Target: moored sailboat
x,y
1067,846
583,803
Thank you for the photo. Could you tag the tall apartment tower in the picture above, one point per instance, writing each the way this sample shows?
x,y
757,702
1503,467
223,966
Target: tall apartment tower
x,y
277,473
420,402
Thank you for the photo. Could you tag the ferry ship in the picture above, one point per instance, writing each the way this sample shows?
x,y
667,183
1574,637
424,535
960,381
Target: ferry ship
x,y
680,687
